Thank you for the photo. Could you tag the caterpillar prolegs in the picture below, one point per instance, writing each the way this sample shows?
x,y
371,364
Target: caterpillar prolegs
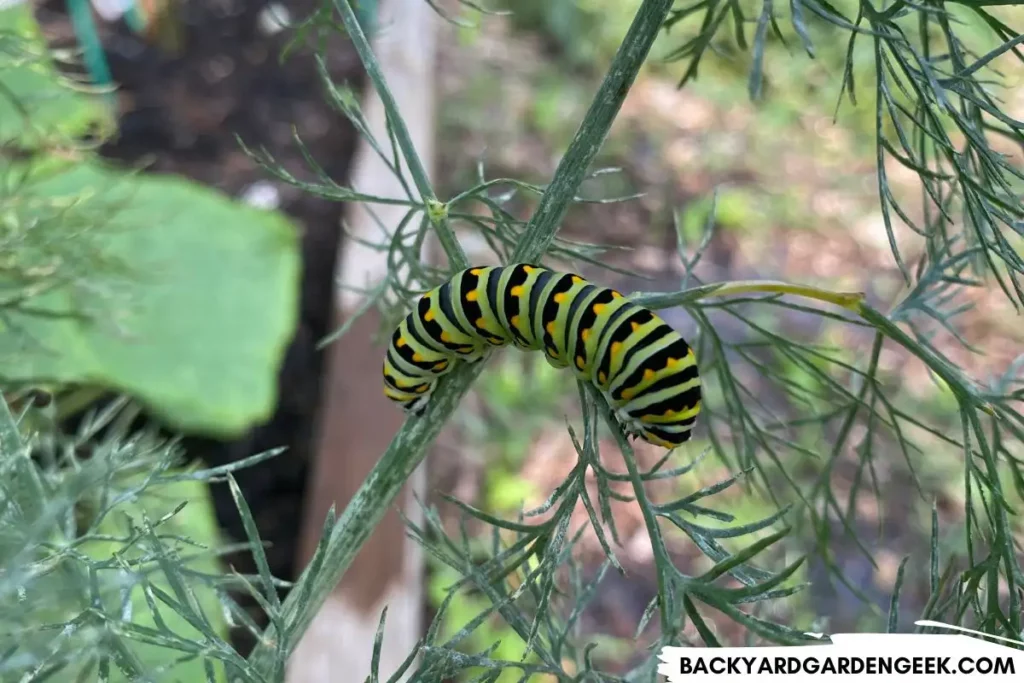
x,y
643,367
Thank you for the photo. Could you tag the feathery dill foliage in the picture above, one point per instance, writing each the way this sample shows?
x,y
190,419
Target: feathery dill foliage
x,y
936,116
38,258
937,111
97,581
937,91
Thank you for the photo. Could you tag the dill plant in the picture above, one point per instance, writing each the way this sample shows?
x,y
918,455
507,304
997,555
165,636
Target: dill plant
x,y
528,575
935,115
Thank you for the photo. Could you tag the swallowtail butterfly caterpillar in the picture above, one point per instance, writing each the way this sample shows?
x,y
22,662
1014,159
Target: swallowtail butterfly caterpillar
x,y
644,368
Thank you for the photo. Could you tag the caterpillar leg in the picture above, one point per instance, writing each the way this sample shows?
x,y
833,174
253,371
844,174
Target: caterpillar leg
x,y
419,404
629,427
666,435
411,397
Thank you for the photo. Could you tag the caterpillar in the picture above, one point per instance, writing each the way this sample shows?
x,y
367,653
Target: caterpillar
x,y
644,368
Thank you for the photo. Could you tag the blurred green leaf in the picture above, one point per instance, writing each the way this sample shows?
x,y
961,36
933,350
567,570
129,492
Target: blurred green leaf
x,y
507,491
37,102
736,209
208,305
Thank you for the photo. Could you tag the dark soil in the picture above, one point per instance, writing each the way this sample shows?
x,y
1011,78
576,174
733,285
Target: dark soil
x,y
180,113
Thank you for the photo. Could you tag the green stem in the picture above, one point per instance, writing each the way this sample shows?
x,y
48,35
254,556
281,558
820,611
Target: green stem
x,y
438,219
848,300
10,436
540,232
663,563
362,515
957,382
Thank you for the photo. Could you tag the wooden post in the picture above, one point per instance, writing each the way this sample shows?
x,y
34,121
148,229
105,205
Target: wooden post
x,y
356,422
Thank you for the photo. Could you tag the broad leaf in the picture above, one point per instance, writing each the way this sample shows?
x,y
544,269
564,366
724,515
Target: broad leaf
x,y
38,103
149,285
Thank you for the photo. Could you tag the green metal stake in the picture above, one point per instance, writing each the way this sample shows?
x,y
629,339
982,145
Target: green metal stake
x,y
95,61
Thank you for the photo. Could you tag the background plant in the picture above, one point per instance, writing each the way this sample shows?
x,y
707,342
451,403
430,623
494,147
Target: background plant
x,y
107,573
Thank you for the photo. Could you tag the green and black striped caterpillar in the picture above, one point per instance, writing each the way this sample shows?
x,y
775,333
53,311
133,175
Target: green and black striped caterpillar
x,y
643,367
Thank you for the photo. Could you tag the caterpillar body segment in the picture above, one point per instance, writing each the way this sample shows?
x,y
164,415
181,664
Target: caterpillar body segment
x,y
643,367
